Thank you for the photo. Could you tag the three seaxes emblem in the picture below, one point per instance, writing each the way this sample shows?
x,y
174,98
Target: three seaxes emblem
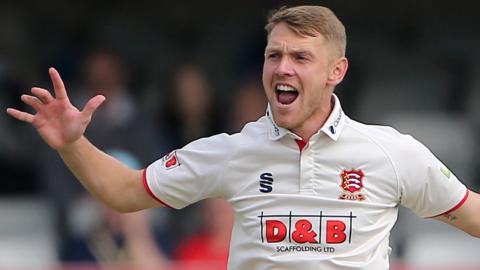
x,y
352,185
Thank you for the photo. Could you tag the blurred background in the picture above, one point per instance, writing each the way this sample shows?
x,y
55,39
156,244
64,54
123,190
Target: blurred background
x,y
174,71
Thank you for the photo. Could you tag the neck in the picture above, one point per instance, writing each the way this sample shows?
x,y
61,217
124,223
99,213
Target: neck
x,y
313,124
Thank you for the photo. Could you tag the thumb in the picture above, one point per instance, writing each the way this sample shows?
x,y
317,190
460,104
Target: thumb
x,y
92,105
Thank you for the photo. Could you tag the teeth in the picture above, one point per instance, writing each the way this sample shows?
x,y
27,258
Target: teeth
x,y
282,87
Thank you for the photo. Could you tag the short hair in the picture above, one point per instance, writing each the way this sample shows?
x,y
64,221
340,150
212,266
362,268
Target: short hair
x,y
311,21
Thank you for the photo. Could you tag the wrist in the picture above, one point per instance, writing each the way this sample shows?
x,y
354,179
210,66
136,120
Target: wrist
x,y
71,146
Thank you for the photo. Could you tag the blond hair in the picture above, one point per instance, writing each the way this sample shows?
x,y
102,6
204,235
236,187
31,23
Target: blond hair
x,y
311,21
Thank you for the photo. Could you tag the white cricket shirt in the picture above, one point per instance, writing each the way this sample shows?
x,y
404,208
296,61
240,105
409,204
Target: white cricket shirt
x,y
330,205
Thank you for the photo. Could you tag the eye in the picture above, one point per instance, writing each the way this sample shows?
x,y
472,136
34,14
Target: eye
x,y
273,56
301,57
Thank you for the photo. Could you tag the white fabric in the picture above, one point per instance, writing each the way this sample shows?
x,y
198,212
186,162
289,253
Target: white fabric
x,y
274,230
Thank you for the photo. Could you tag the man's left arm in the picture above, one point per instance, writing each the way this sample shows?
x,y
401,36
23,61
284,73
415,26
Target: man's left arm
x,y
466,217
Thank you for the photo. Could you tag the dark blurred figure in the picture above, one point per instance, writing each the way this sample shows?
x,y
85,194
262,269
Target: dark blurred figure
x,y
100,235
208,248
190,110
18,155
115,122
120,125
249,104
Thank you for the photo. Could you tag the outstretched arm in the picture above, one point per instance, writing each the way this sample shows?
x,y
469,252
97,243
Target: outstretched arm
x,y
61,126
467,217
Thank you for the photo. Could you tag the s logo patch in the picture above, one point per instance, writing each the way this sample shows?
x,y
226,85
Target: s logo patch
x,y
266,182
170,160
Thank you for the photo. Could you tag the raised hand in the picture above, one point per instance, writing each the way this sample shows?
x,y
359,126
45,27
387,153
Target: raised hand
x,y
57,121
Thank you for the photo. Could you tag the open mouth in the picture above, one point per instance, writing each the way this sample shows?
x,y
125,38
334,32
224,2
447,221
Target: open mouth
x,y
286,94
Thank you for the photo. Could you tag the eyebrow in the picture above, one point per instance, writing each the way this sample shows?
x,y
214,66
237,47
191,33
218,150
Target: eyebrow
x,y
291,51
302,51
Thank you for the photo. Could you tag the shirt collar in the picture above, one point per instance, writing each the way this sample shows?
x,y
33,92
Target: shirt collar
x,y
275,132
335,123
333,126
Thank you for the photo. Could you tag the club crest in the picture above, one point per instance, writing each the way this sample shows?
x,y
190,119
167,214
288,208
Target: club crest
x,y
351,184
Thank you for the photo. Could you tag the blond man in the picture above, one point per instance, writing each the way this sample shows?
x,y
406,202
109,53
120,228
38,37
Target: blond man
x,y
310,187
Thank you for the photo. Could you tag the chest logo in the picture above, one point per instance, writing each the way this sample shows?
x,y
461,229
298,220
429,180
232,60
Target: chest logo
x,y
266,182
352,184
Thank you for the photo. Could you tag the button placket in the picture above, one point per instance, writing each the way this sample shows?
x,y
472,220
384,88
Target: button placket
x,y
314,151
306,171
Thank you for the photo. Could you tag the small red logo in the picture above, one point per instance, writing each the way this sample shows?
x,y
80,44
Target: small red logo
x,y
352,184
170,160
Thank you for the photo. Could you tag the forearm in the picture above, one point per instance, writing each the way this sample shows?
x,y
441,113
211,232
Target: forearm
x,y
106,178
472,215
467,217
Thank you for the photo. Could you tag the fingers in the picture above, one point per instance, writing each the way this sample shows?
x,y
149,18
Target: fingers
x,y
34,102
92,105
42,94
60,92
22,116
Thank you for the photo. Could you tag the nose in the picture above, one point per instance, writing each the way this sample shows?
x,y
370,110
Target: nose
x,y
284,67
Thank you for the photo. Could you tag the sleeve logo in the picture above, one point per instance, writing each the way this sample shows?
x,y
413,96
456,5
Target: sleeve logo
x,y
170,160
352,184
446,172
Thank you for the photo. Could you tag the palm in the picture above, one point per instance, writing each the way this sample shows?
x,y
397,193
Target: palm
x,y
59,124
57,121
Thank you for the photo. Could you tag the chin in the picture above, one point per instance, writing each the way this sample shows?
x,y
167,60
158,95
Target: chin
x,y
285,119
285,123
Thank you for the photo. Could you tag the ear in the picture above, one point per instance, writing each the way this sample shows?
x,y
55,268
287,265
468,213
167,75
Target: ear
x,y
338,71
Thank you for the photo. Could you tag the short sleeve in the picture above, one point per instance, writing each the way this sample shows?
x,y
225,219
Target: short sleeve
x,y
427,186
189,174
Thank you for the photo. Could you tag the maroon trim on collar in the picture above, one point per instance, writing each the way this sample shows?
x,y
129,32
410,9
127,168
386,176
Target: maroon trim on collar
x,y
149,191
301,144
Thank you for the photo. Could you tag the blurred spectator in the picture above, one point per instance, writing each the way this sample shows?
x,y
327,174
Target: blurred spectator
x,y
99,234
249,103
119,124
18,159
190,111
209,246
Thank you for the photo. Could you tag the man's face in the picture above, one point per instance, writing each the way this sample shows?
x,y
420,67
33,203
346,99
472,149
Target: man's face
x,y
296,78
